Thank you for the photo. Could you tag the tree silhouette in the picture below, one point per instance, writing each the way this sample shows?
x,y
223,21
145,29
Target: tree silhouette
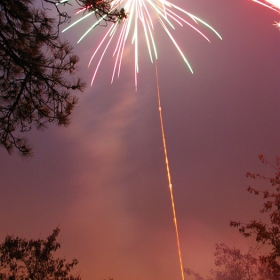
x,y
35,64
22,259
103,9
266,233
232,264
256,264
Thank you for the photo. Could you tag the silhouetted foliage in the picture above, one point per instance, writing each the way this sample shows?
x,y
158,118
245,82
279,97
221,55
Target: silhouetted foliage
x,y
266,233
34,66
103,9
22,259
35,87
234,265
256,264
196,275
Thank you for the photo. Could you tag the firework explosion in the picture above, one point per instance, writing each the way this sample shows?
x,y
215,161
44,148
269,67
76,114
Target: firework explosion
x,y
273,5
126,17
133,15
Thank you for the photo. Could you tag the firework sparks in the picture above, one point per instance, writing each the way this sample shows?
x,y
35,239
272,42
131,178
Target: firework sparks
x,y
271,4
274,3
136,13
131,15
277,24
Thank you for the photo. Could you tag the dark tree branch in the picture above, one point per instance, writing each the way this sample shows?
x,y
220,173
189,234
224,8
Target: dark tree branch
x,y
34,72
34,259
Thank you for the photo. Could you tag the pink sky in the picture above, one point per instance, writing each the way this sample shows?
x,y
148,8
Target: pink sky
x,y
102,180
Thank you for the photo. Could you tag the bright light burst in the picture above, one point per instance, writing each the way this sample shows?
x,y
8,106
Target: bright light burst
x,y
272,4
140,13
133,15
277,24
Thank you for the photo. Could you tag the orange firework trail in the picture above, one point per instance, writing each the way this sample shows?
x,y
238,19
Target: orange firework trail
x,y
139,15
169,178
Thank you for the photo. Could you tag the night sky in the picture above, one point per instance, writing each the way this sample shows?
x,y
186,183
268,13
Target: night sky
x,y
103,180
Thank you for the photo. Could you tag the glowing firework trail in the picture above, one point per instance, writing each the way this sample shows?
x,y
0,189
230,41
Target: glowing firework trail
x,y
275,3
139,11
135,12
169,178
271,4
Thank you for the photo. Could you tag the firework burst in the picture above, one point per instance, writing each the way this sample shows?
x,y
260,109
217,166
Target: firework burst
x,y
271,4
127,17
135,15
